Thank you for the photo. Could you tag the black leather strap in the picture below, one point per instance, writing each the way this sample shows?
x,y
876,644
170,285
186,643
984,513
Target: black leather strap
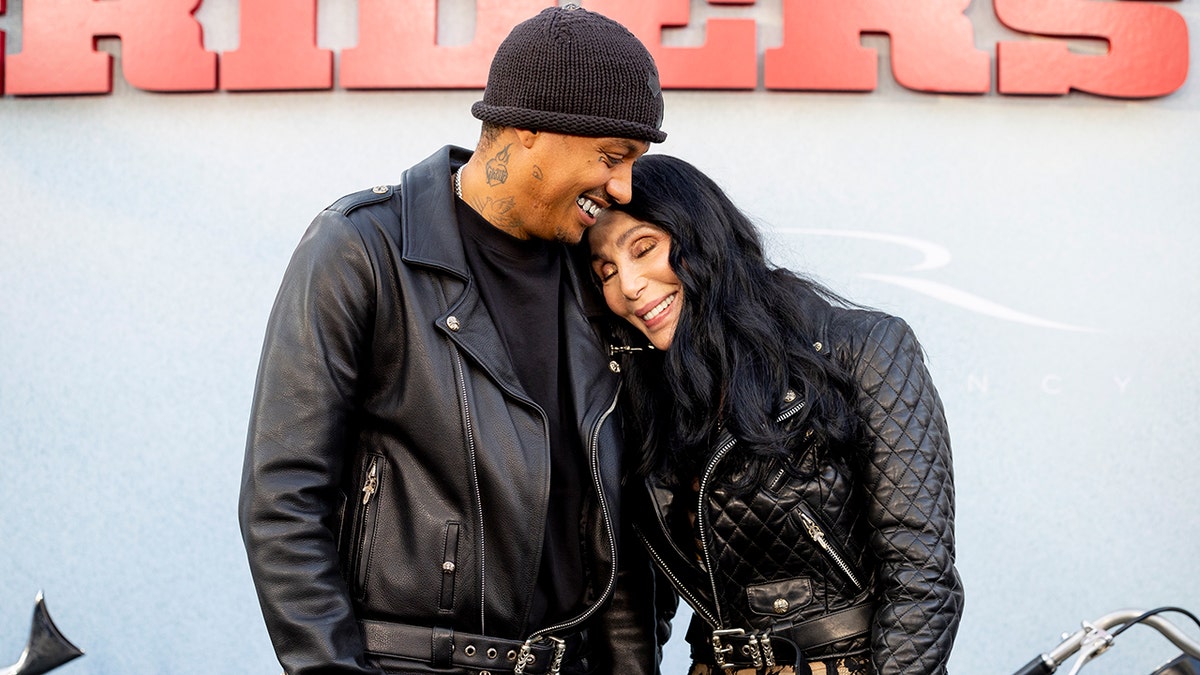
x,y
789,640
823,630
442,648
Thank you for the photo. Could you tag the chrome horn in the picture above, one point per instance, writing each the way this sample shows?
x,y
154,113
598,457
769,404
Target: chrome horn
x,y
47,648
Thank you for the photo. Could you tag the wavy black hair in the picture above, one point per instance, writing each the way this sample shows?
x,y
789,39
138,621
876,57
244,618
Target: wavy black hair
x,y
744,336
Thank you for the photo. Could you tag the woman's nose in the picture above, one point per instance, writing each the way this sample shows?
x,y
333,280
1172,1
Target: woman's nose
x,y
633,285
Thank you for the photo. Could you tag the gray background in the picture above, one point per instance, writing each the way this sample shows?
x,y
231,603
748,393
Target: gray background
x,y
1043,248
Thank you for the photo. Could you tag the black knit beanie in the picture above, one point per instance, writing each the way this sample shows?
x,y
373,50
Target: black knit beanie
x,y
575,72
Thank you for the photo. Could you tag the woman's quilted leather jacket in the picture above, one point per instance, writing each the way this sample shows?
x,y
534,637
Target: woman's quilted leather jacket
x,y
877,530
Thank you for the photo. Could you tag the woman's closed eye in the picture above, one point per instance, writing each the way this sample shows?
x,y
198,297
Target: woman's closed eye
x,y
643,246
605,271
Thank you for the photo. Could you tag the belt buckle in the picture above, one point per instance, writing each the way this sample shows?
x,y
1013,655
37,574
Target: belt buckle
x,y
525,655
720,649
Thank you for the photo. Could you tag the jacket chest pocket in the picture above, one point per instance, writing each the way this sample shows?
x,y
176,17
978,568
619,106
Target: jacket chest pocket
x,y
779,599
449,567
822,536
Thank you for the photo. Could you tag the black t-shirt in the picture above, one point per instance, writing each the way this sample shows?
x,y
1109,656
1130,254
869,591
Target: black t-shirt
x,y
521,282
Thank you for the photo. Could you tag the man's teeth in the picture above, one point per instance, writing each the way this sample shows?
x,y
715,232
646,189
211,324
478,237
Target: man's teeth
x,y
590,207
660,308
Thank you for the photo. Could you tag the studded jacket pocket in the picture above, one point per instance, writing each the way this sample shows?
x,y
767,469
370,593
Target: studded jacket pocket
x,y
449,567
779,598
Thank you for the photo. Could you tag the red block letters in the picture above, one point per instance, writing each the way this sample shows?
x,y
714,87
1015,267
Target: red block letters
x,y
397,45
1148,49
161,47
933,46
278,49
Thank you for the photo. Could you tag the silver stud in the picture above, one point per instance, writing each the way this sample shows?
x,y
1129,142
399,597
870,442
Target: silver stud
x,y
789,396
452,323
818,346
614,366
379,189
780,605
448,567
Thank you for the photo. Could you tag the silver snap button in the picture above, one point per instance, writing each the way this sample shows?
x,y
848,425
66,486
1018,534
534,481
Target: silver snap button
x,y
448,567
614,366
452,323
379,189
469,650
780,605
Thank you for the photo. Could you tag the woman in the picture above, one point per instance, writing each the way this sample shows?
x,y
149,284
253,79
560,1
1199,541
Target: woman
x,y
798,484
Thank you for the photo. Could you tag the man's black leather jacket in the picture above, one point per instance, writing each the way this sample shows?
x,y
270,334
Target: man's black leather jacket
x,y
395,470
830,549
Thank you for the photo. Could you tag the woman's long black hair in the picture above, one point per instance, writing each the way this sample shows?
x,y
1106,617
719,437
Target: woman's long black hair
x,y
744,336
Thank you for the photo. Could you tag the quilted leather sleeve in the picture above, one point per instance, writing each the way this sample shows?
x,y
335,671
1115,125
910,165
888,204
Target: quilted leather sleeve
x,y
910,503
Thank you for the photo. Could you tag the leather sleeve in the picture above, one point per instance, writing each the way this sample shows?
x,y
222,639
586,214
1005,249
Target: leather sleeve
x,y
910,504
627,637
290,496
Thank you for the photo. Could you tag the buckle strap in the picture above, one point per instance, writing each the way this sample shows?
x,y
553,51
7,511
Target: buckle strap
x,y
734,649
720,650
437,646
840,625
525,655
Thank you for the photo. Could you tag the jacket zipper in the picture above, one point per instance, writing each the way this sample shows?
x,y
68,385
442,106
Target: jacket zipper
x,y
366,527
612,543
819,537
679,585
462,390
701,517
371,484
702,512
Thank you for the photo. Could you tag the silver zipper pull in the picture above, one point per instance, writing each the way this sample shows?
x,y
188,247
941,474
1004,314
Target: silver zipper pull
x,y
372,482
814,530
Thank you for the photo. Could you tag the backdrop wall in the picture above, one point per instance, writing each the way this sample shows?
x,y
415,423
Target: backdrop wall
x,y
1042,248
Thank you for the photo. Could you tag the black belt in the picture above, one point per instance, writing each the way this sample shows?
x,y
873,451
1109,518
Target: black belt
x,y
442,648
783,643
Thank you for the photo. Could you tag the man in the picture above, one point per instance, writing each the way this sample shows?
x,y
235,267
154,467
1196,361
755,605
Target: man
x,y
432,468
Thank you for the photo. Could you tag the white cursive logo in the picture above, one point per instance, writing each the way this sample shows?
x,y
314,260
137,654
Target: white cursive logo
x,y
935,256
